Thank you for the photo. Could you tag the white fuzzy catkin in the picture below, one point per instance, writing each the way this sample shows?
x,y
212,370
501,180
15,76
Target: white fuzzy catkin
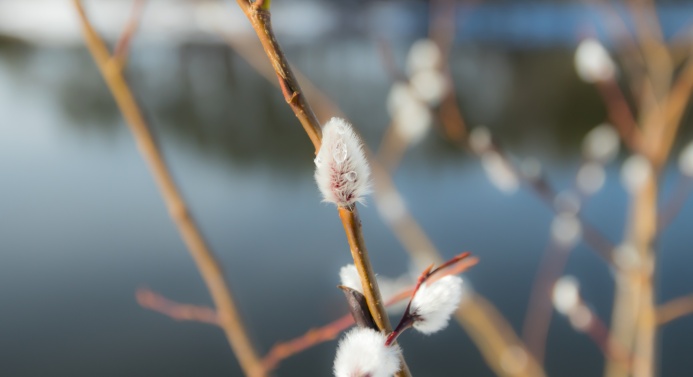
x,y
342,172
591,178
412,121
566,294
636,170
423,54
430,86
566,229
499,173
363,353
686,160
601,143
434,303
593,63
349,277
401,95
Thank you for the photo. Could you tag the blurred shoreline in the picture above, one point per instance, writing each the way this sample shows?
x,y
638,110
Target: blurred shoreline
x,y
518,25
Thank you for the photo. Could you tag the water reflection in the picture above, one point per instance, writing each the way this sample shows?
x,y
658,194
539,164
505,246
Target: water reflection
x,y
86,225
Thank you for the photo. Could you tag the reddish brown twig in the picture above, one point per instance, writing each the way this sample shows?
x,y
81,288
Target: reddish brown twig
x,y
151,300
598,332
621,115
539,309
122,48
210,269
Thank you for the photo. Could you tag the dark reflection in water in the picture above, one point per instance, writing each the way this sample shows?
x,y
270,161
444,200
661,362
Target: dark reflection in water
x,y
82,224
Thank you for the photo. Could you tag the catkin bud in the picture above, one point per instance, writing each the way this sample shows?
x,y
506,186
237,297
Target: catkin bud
x,y
430,86
566,295
593,63
601,144
342,172
389,287
423,54
434,303
363,353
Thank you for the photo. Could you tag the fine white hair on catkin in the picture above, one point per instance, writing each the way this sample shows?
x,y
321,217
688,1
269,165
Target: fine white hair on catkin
x,y
342,172
434,303
363,353
389,287
349,277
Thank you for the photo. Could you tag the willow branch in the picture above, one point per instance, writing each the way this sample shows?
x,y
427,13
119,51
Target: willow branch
x,y
503,351
204,258
259,16
664,130
674,309
650,39
352,228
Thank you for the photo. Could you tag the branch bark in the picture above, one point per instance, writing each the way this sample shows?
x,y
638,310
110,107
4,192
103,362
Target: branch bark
x,y
207,264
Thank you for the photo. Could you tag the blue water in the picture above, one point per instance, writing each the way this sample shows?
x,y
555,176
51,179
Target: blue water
x,y
82,225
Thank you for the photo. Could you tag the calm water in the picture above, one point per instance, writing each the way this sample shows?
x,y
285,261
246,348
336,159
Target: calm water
x,y
82,225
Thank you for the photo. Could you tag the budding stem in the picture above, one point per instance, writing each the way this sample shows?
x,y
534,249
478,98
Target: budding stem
x,y
352,228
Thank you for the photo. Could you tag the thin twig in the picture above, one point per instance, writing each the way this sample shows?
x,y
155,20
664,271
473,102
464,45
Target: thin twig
x,y
204,258
634,317
122,48
259,16
674,203
598,332
503,351
674,309
539,308
620,114
151,300
352,228
651,41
